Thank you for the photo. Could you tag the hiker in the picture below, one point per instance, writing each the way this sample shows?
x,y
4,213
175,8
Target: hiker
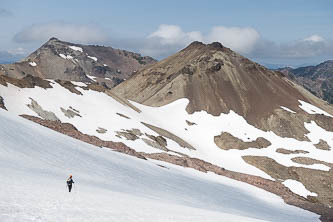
x,y
70,183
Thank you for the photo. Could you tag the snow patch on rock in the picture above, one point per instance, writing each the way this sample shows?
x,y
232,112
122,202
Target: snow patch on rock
x,y
65,56
93,58
287,109
75,48
311,109
298,188
93,78
32,63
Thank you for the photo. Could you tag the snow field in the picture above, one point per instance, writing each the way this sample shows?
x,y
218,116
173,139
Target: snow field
x,y
99,110
109,186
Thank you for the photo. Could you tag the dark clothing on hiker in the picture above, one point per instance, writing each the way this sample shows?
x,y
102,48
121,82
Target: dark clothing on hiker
x,y
69,184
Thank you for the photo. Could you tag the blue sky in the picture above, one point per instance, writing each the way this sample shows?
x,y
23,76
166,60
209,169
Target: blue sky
x,y
290,32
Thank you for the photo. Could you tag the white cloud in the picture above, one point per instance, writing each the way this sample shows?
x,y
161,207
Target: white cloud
x,y
314,38
168,38
65,31
18,51
241,40
173,34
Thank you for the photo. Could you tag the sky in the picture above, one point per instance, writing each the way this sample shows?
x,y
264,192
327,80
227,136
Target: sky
x,y
294,33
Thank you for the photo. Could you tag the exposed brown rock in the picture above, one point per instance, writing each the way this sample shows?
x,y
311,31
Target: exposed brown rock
x,y
132,134
286,151
190,123
227,141
154,144
322,145
127,135
101,130
286,124
113,64
317,181
136,132
26,82
310,161
2,103
217,80
323,121
68,85
70,113
47,115
69,130
158,139
169,135
122,115
268,185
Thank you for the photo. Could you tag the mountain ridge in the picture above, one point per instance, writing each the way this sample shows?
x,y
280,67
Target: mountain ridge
x,y
216,80
62,60
318,79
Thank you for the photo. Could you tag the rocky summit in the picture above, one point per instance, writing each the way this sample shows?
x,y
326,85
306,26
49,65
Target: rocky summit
x,y
74,62
216,80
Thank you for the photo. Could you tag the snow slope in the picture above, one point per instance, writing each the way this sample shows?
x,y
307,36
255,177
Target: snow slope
x,y
100,110
109,186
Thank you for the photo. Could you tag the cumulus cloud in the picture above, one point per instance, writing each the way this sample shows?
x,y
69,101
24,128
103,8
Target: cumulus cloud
x,y
239,39
314,38
312,46
18,51
65,31
173,34
170,37
7,57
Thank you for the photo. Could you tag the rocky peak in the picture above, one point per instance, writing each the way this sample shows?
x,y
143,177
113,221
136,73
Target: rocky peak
x,y
62,60
217,80
216,45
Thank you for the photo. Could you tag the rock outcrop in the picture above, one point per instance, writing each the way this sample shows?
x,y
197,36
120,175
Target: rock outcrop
x,y
226,141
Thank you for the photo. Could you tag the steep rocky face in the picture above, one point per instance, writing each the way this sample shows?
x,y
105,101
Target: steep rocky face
x,y
217,80
2,104
317,79
66,61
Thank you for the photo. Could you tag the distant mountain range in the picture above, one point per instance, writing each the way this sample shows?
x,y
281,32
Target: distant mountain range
x,y
8,58
317,79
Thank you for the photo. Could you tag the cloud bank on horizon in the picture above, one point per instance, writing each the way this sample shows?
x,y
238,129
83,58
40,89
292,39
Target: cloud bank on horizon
x,y
244,40
76,33
168,39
